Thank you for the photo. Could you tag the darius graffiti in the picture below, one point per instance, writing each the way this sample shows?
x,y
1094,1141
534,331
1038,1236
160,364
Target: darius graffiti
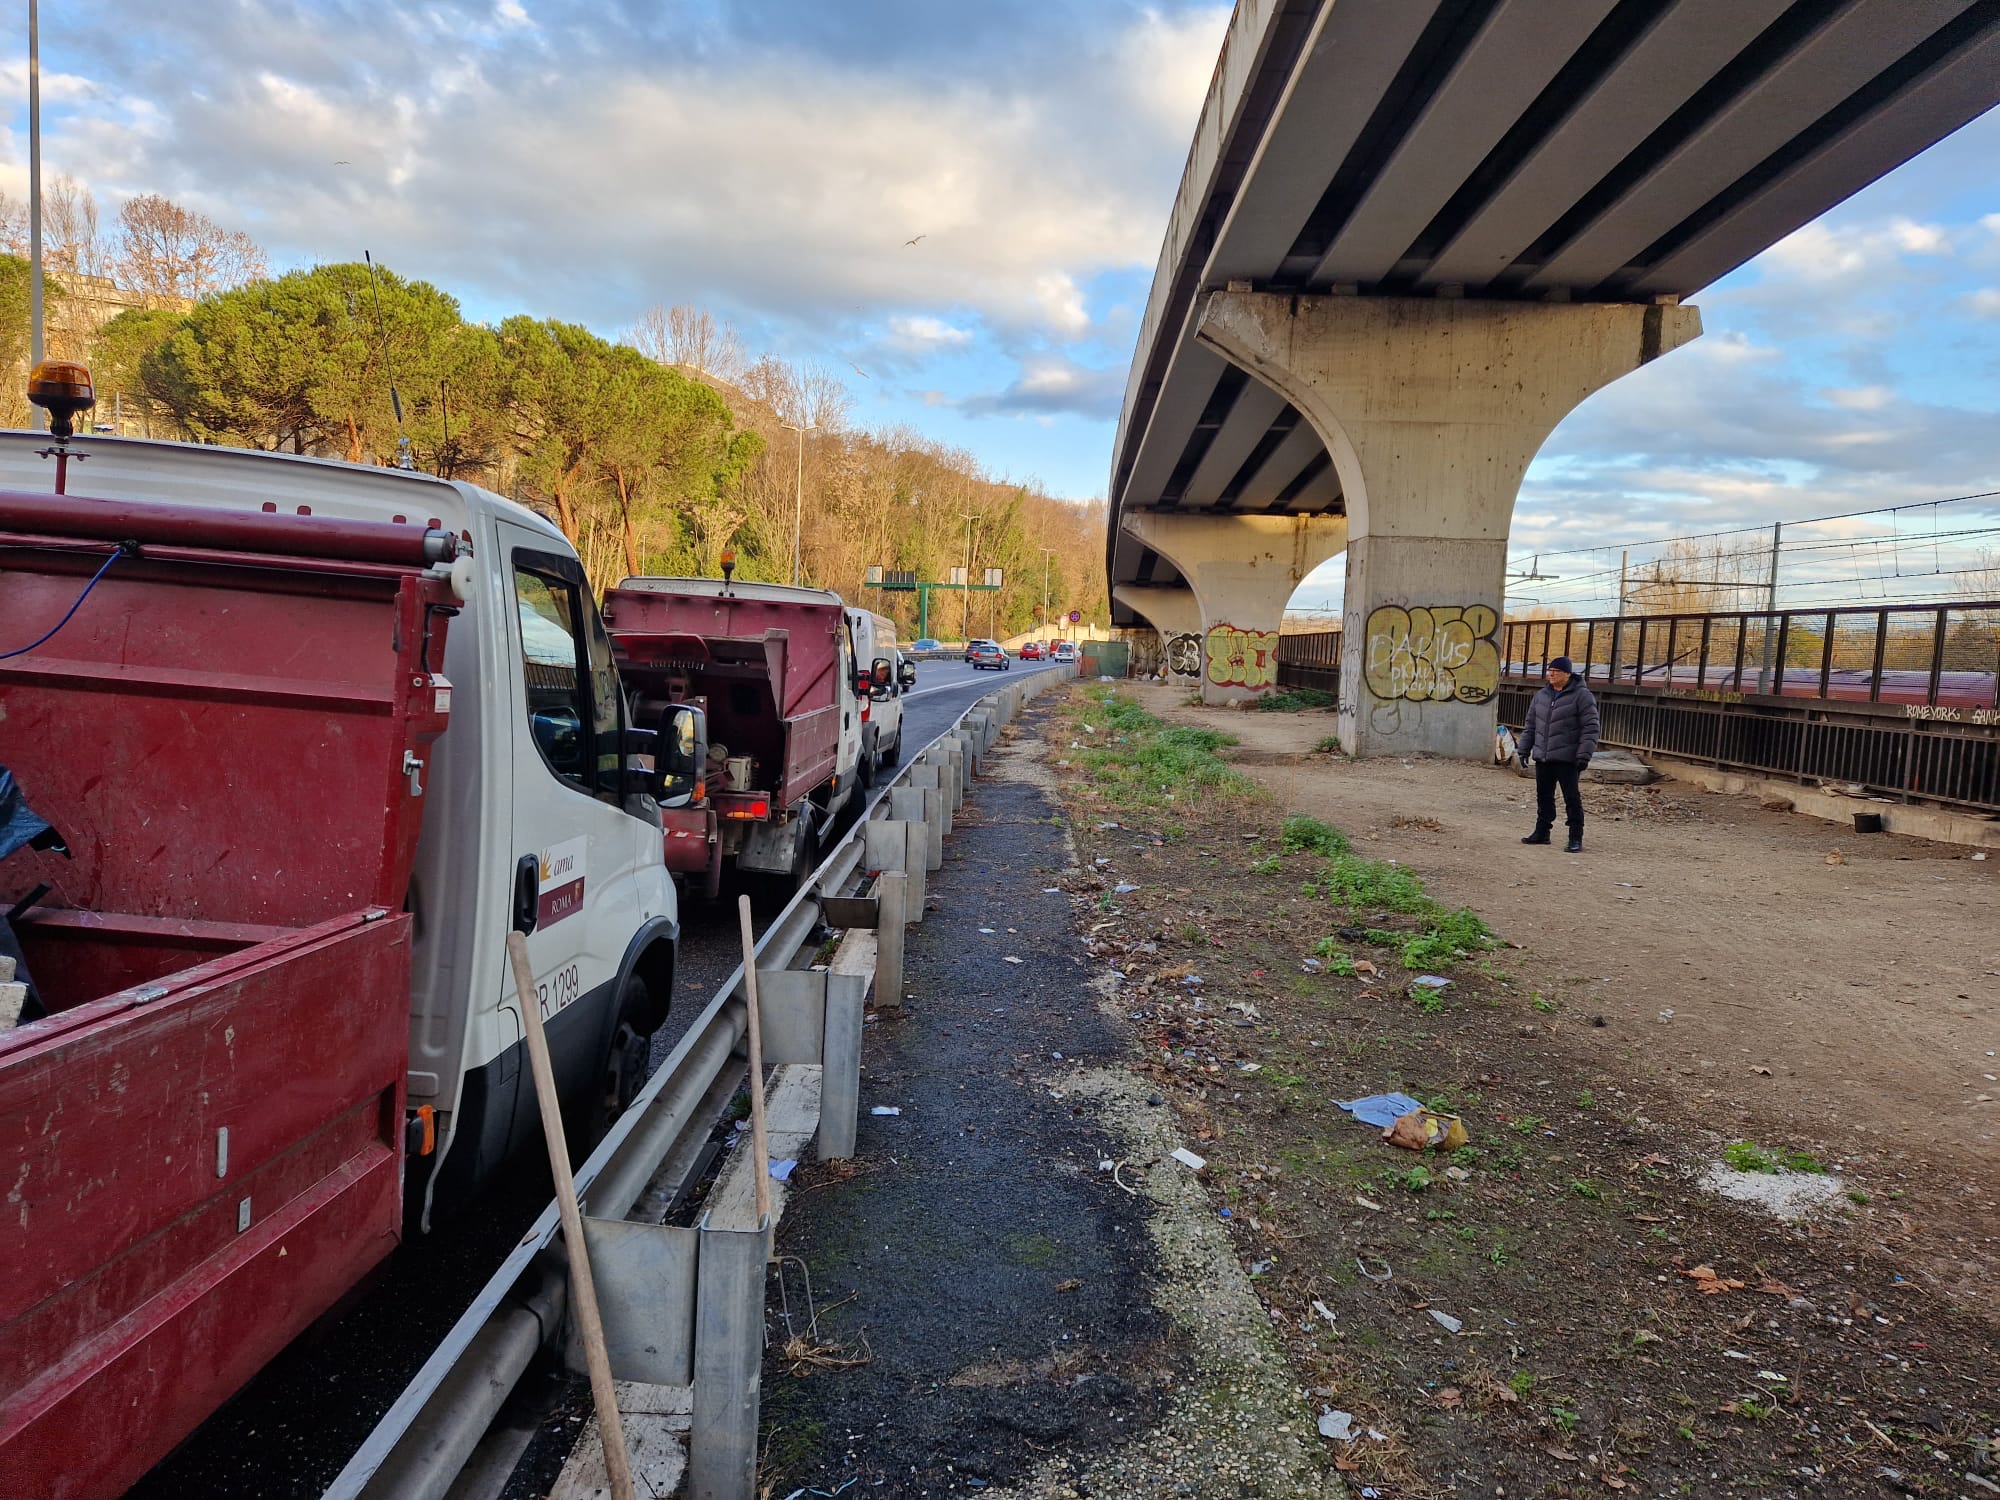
x,y
1184,654
1242,658
1436,655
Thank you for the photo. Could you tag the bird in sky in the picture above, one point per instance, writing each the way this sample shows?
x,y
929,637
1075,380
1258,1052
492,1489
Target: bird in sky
x,y
912,242
859,371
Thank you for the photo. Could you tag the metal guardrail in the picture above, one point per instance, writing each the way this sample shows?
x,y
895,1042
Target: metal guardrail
x,y
704,1286
1310,660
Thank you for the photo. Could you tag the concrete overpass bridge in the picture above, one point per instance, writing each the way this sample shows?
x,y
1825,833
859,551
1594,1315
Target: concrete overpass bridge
x,y
1412,235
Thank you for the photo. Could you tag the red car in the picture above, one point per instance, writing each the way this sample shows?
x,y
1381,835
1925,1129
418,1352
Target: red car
x,y
1033,651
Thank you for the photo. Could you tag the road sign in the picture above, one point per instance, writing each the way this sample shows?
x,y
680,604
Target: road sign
x,y
1075,616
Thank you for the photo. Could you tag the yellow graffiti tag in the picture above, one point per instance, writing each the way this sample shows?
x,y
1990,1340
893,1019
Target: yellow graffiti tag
x,y
1432,655
1242,658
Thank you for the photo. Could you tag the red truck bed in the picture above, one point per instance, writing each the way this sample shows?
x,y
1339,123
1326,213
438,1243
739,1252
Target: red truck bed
x,y
765,670
202,1143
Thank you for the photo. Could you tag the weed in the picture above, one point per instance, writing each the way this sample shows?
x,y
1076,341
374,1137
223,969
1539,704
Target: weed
x,y
1430,1002
1270,864
1527,1124
1497,1255
1439,1215
1564,1417
1756,1411
1135,760
1858,1198
1189,933
1297,700
1748,1156
1454,935
1542,1004
1583,1187
1586,1100
1329,744
1303,835
1521,1383
1413,1181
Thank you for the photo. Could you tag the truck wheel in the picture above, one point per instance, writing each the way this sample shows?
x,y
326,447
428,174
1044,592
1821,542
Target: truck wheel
x,y
895,751
624,1071
870,769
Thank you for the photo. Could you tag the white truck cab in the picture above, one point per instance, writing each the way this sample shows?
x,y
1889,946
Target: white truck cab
x,y
882,676
534,814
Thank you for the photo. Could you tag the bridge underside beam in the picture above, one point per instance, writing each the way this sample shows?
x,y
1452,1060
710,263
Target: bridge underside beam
x,y
1242,571
1432,409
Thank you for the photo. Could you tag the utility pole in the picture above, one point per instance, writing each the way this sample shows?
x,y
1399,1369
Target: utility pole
x,y
1624,561
1045,587
799,499
35,336
969,519
1770,612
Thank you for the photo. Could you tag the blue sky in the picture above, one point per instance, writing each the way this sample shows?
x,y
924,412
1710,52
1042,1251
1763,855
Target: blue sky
x,y
769,159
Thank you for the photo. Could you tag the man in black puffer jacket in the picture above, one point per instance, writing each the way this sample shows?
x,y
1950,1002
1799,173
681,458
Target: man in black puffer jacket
x,y
1560,737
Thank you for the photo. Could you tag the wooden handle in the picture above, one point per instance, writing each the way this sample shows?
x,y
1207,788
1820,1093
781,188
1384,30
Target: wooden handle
x,y
583,1291
759,1143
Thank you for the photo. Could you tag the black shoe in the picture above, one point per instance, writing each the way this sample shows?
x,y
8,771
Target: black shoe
x,y
1536,838
1575,844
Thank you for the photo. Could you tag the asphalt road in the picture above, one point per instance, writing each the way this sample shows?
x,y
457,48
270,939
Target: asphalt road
x,y
290,1431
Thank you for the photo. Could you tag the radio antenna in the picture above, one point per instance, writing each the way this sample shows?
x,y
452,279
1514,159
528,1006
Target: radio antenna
x,y
403,459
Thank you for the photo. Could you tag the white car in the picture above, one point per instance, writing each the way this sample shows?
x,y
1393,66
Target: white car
x,y
882,676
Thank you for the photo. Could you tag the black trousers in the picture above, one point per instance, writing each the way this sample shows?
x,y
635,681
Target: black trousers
x,y
1550,774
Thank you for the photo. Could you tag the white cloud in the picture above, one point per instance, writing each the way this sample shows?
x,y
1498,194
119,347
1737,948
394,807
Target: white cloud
x,y
1053,384
1984,303
1861,398
1823,253
510,13
925,335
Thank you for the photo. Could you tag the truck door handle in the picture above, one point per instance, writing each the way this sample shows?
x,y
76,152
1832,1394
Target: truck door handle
x,y
527,893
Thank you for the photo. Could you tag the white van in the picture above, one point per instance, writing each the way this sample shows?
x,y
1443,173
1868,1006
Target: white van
x,y
533,817
882,676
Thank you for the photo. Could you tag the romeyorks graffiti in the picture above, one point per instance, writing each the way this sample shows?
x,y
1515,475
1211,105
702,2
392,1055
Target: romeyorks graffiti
x,y
1438,654
1243,658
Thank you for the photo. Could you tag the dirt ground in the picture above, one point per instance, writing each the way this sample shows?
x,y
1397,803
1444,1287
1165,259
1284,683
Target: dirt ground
x,y
1564,1306
1851,1008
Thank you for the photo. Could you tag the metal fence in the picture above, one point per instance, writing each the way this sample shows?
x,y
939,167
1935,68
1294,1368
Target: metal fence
x,y
685,1306
1310,660
1944,657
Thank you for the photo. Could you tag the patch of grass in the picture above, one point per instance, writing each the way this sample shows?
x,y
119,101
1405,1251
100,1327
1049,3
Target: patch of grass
x,y
1036,1250
1328,744
1296,700
1270,864
1586,1100
1413,1181
1135,760
1748,1156
1430,1002
1583,1187
1455,935
1542,1003
1521,1383
1304,835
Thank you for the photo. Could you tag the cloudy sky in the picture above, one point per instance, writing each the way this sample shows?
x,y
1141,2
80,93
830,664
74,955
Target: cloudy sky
x,y
771,159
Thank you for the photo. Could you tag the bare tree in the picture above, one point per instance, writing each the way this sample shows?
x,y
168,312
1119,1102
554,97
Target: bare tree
x,y
171,251
808,395
72,240
691,337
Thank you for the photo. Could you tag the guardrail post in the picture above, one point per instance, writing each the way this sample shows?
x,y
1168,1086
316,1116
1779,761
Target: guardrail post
x,y
890,845
728,1363
923,806
931,776
892,889
840,1063
946,756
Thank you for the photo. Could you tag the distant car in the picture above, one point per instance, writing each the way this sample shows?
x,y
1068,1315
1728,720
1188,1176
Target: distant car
x,y
1063,651
975,643
984,654
929,645
1033,651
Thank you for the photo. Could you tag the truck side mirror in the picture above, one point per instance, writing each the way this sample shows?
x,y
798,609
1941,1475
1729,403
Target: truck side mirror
x,y
907,676
882,675
680,756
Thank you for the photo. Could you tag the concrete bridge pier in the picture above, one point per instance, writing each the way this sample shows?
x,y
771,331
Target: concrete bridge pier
x,y
1242,571
1431,409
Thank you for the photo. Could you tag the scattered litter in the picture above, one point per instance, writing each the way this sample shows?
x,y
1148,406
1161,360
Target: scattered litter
x,y
1370,1204
781,1171
886,1109
1310,966
1123,890
987,930
1446,1321
1068,1286
1457,1174
1106,827
1835,857
1338,1425
1010,959
1249,1067
1772,1375
1361,1265
1706,1281
1261,1267
1981,854
1363,966
1735,1354
1766,1072
1380,1109
1667,1014
1187,1158
1324,1311
1426,981
1422,1128
1250,1012
1051,890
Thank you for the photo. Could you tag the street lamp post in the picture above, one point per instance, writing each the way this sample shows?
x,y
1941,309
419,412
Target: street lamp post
x,y
1045,586
35,339
799,499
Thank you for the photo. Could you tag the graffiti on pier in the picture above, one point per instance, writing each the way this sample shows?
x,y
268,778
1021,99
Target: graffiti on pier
x,y
1439,654
1184,654
1242,658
